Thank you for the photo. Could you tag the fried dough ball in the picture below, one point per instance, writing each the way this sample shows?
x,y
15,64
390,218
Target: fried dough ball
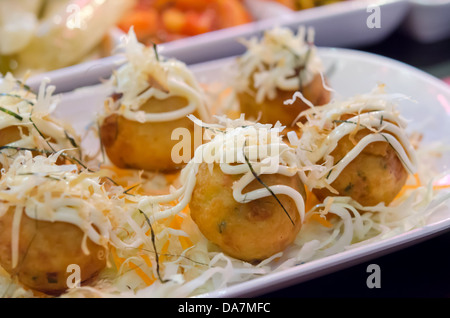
x,y
45,251
376,175
269,111
147,146
248,231
152,98
275,67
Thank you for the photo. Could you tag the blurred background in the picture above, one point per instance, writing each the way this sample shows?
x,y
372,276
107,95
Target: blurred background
x,y
38,36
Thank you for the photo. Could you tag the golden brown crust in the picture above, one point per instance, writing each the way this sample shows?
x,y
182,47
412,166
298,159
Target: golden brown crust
x,y
271,111
46,249
247,231
145,146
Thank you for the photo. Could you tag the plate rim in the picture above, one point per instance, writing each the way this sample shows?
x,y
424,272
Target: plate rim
x,y
289,276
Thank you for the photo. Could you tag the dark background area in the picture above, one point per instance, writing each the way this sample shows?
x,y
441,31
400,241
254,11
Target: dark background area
x,y
418,271
433,58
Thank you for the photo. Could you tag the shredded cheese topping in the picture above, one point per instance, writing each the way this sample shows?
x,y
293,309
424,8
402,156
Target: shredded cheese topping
x,y
281,59
324,129
146,75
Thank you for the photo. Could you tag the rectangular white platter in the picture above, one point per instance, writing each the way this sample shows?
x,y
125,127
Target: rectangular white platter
x,y
350,72
342,24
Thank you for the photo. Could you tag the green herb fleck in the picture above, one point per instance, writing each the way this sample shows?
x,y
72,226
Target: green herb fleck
x,y
264,185
17,96
129,189
152,233
155,49
7,111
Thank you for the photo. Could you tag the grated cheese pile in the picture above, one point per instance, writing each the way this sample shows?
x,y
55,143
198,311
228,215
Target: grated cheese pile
x,y
31,114
155,248
325,127
273,62
145,75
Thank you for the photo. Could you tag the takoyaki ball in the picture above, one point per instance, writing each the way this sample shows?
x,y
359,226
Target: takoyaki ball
x,y
145,146
153,96
273,69
270,111
45,251
376,175
247,231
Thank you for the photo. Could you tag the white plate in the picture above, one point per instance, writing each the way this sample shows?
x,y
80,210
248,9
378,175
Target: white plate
x,y
353,72
343,24
428,20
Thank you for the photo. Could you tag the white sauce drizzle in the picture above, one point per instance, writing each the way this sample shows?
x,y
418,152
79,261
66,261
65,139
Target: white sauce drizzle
x,y
170,78
45,191
376,112
28,111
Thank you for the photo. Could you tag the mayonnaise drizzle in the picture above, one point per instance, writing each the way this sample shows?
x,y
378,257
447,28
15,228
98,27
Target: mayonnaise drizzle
x,y
324,129
218,150
273,61
146,75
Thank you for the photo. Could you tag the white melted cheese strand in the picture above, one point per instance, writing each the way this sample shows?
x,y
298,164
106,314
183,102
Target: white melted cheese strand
x,y
272,62
133,81
363,143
